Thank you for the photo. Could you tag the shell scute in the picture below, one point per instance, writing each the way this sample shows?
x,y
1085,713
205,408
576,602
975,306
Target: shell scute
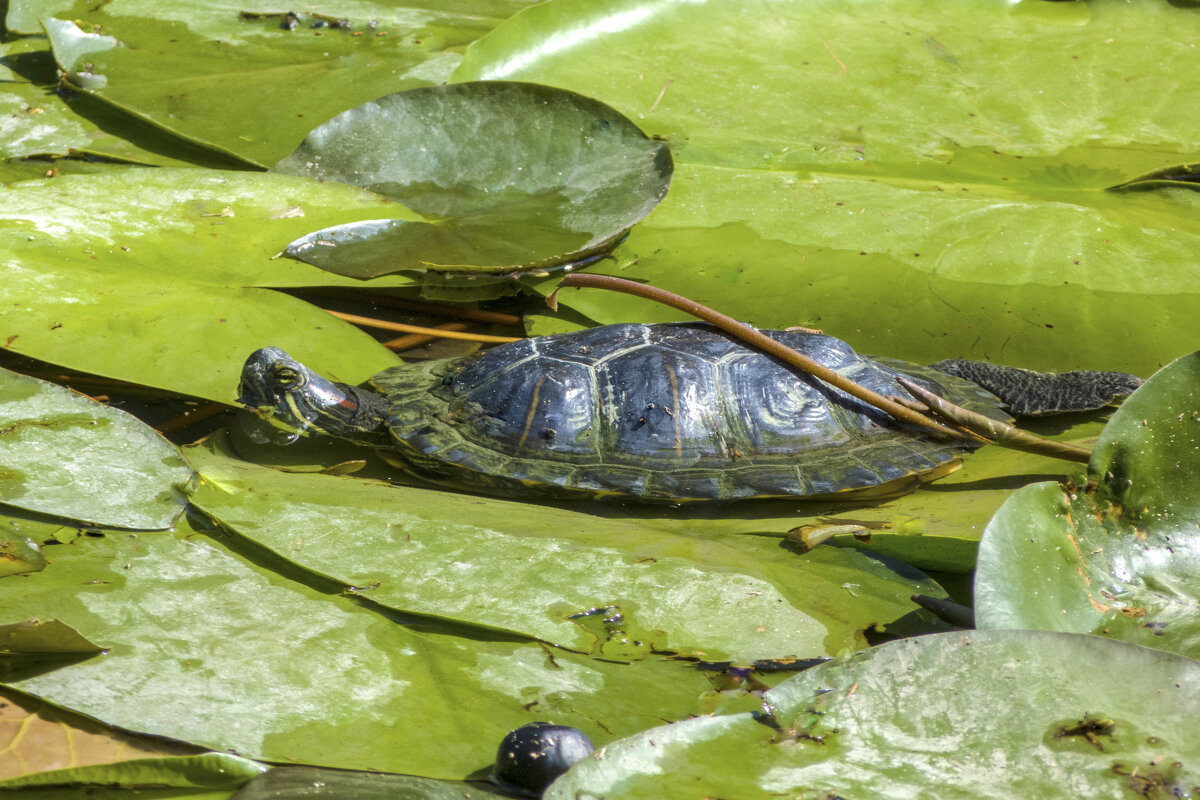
x,y
659,411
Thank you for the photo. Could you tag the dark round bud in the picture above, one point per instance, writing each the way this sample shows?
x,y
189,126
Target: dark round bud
x,y
533,755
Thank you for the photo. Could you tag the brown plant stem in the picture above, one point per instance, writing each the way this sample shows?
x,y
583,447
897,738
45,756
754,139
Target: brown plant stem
x,y
411,340
371,322
994,430
766,344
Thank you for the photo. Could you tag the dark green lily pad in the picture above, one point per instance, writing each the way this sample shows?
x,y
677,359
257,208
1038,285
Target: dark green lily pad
x,y
983,715
240,78
508,176
1122,560
66,455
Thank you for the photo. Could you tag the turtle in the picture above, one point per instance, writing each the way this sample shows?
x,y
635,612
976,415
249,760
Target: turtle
x,y
667,412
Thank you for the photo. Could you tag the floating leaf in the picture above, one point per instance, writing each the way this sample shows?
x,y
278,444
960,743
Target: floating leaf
x,y
300,783
44,637
214,649
618,589
250,79
35,646
73,132
1179,176
85,258
955,715
18,553
207,770
508,175
1122,560
67,455
24,16
922,181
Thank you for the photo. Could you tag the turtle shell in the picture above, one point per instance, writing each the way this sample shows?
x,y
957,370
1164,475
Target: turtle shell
x,y
667,412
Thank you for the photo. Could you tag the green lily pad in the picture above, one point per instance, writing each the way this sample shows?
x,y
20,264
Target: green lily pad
x,y
1175,176
982,714
204,771
921,181
508,175
209,647
44,637
67,455
613,588
24,16
246,80
34,646
18,552
71,132
86,258
300,783
1122,560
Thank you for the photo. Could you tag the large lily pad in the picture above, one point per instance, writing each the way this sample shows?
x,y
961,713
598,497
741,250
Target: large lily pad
x,y
208,647
294,783
67,455
615,588
936,527
150,276
508,175
37,121
1122,560
986,714
922,181
245,80
204,771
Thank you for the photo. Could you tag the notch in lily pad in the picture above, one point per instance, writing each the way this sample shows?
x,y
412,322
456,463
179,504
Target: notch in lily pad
x,y
1176,176
505,177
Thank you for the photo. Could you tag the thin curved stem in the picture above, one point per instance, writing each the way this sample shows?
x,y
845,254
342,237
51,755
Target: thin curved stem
x,y
766,344
437,333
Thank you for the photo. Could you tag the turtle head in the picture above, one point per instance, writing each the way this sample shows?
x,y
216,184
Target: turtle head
x,y
292,397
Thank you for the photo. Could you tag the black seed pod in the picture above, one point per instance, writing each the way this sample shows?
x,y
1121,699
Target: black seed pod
x,y
532,756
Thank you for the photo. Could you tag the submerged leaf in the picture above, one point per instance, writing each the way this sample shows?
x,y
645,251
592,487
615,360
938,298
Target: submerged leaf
x,y
41,738
508,176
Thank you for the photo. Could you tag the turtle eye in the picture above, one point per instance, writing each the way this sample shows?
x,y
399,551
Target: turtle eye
x,y
287,378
